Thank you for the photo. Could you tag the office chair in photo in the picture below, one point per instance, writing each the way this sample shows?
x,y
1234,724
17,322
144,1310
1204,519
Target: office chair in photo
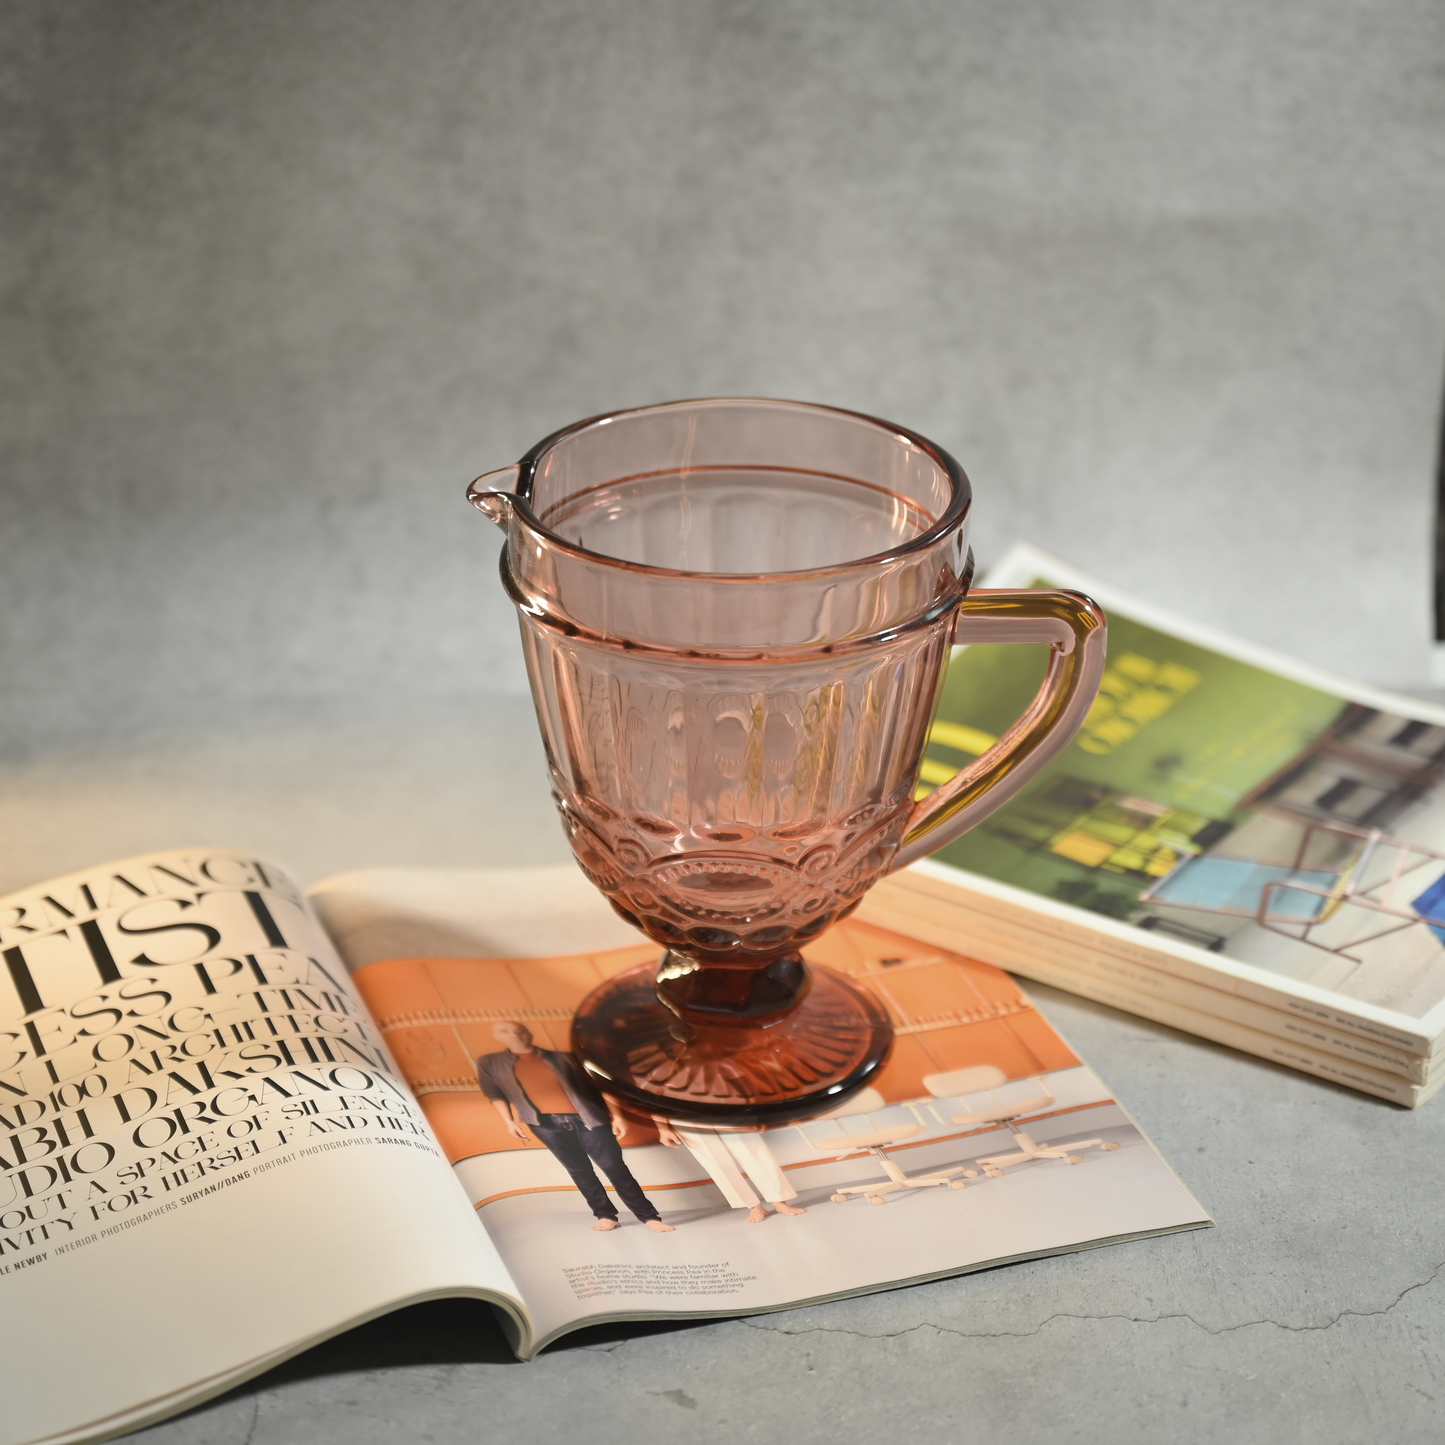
x,y
877,1141
984,1079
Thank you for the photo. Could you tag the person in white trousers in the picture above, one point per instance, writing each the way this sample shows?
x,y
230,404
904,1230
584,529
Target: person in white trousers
x,y
740,1163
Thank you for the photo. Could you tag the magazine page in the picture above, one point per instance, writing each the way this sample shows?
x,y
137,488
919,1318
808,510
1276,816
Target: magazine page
x,y
207,1159
603,1215
1263,819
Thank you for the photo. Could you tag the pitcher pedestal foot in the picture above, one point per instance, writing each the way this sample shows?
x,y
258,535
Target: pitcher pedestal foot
x,y
827,1046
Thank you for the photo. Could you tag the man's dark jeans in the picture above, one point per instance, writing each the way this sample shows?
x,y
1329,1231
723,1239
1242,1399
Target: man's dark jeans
x,y
577,1148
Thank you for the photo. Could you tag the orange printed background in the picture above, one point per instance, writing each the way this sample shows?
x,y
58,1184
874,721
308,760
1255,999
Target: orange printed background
x,y
436,1015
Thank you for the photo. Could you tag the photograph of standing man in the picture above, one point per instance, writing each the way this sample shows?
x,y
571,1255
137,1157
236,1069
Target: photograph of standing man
x,y
548,1092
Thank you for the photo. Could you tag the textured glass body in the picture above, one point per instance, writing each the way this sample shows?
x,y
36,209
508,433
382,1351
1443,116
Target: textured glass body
x,y
734,708
733,811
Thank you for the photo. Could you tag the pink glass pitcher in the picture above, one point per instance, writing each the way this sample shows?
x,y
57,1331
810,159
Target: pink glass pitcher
x,y
736,615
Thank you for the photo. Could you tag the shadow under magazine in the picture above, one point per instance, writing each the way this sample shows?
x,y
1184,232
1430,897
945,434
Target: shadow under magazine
x,y
439,1332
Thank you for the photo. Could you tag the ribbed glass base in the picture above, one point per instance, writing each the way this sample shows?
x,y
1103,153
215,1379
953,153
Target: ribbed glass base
x,y
804,1060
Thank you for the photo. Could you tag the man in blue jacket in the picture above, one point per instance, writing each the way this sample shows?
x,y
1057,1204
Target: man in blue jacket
x,y
549,1092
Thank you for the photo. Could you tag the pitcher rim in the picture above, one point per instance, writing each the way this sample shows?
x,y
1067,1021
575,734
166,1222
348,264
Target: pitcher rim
x,y
953,515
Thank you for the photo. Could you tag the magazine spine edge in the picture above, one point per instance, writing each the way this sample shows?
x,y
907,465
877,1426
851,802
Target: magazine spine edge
x,y
1017,949
951,887
1237,1036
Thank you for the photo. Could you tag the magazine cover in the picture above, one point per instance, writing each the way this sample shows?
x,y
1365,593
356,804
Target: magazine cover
x,y
1221,798
984,1139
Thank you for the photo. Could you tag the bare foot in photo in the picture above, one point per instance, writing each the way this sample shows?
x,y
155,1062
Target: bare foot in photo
x,y
756,1215
784,1208
605,1224
658,1227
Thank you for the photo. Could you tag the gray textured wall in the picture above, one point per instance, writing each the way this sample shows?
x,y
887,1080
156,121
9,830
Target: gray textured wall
x,y
281,275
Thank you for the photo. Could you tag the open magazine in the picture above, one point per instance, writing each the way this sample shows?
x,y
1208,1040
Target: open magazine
x,y
1234,844
236,1122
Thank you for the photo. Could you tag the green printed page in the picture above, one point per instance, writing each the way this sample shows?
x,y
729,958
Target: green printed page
x,y
1179,745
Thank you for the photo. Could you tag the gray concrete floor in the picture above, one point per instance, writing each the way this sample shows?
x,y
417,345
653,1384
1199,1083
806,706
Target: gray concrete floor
x,y
1314,1312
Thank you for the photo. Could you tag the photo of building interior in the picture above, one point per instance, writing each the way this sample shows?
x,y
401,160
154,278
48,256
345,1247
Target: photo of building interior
x,y
1227,807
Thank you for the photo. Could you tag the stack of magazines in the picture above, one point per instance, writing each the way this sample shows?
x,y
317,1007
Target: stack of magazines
x,y
1235,845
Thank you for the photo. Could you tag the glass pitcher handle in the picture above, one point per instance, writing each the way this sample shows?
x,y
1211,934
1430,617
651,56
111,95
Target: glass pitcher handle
x,y
1074,627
